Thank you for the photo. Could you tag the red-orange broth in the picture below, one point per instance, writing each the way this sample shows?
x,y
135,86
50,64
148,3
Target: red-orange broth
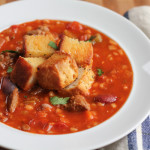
x,y
117,80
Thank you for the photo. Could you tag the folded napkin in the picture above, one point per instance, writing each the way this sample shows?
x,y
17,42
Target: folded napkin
x,y
139,139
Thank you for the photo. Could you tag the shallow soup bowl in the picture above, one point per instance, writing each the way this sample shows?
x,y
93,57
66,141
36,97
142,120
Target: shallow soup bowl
x,y
133,41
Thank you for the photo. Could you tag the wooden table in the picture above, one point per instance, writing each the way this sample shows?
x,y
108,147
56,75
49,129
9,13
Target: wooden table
x,y
120,6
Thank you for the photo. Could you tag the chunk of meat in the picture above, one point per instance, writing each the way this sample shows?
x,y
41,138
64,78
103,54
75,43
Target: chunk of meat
x,y
12,100
7,86
7,59
57,72
77,103
82,84
36,90
105,98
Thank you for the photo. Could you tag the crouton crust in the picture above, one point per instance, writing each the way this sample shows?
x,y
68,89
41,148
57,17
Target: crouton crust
x,y
24,72
37,45
57,72
82,84
81,51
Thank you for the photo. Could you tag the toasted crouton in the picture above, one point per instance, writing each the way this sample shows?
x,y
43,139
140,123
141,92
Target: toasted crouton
x,y
57,72
81,51
24,72
82,84
37,45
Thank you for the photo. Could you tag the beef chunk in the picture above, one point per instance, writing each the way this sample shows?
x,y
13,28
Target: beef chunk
x,y
13,100
77,103
82,84
7,59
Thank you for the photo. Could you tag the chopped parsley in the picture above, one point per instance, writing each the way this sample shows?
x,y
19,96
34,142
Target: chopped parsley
x,y
9,51
59,100
53,45
99,72
91,38
9,70
25,96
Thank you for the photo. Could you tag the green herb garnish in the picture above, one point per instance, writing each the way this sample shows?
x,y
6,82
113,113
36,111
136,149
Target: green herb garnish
x,y
9,51
99,72
91,38
53,45
59,100
25,96
9,70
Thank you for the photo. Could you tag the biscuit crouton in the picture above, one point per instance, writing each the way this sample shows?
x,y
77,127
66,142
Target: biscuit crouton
x,y
57,72
24,72
37,45
82,84
81,51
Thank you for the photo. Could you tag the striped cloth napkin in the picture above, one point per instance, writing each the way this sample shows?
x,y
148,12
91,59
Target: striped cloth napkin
x,y
139,139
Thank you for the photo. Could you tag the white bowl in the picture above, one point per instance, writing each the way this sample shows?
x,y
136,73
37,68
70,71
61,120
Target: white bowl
x,y
131,39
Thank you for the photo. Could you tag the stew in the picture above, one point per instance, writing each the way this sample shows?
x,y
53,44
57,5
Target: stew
x,y
60,77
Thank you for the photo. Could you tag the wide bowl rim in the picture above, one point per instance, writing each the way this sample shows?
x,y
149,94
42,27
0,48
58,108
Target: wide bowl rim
x,y
145,113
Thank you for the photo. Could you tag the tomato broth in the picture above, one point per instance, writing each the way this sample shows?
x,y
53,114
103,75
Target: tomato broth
x,y
113,76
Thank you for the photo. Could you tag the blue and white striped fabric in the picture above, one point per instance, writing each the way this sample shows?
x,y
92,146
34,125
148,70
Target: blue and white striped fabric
x,y
139,139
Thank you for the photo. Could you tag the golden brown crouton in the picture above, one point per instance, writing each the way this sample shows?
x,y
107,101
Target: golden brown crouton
x,y
37,45
82,84
81,51
57,72
24,72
